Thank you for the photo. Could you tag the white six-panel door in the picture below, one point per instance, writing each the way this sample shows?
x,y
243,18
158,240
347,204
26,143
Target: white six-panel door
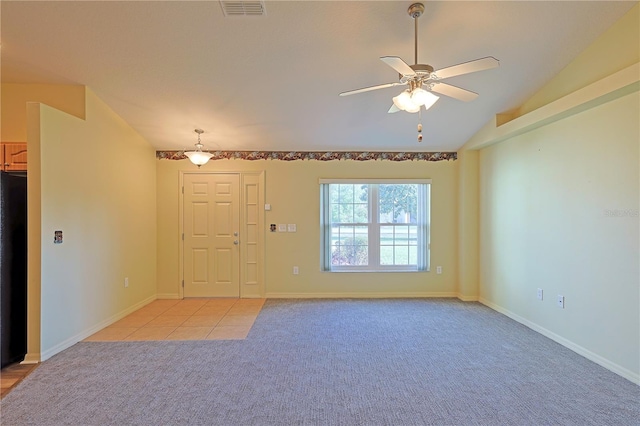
x,y
211,241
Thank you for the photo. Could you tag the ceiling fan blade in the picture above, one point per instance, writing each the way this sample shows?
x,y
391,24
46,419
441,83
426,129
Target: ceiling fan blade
x,y
454,92
367,89
398,65
467,67
393,109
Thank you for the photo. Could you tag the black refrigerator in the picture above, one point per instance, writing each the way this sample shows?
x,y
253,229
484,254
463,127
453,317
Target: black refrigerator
x,y
13,267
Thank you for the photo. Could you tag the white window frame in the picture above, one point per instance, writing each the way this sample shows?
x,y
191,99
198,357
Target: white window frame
x,y
424,200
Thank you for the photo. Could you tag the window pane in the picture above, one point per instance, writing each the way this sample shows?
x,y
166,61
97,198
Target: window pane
x,y
361,213
346,193
334,194
401,255
361,194
386,235
349,245
413,255
413,235
398,203
346,213
386,255
401,234
335,213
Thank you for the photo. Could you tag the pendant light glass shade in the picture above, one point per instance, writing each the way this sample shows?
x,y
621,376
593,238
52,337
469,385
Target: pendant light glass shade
x,y
428,99
198,157
411,101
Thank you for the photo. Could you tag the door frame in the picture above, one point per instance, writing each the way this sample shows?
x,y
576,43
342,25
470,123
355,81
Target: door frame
x,y
252,284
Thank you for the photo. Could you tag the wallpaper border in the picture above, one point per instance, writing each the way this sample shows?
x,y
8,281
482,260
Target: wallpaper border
x,y
317,155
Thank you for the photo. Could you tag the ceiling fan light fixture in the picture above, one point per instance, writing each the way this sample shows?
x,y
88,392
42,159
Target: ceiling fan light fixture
x,y
429,99
198,157
419,96
404,102
413,109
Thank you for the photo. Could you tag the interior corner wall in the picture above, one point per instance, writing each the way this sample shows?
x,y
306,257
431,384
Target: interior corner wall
x,y
97,187
559,211
468,223
292,189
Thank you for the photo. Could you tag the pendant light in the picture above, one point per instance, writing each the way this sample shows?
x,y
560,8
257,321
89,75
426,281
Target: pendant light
x,y
198,157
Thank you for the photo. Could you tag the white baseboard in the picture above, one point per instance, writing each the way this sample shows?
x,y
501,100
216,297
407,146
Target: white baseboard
x,y
88,332
619,370
349,295
31,359
467,298
169,296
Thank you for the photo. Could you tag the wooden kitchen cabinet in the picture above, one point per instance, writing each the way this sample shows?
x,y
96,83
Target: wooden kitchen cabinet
x,y
13,156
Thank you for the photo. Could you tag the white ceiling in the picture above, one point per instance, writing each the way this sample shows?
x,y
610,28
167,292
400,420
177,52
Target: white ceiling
x,y
272,82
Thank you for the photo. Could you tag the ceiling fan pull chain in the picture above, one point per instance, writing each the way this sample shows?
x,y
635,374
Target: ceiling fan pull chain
x,y
420,125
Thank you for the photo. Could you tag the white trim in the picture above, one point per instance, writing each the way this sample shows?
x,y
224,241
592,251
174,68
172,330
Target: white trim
x,y
375,180
621,371
180,234
90,331
31,359
467,298
363,295
168,296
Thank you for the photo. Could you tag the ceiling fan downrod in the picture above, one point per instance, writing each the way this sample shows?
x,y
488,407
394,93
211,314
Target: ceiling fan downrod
x,y
415,11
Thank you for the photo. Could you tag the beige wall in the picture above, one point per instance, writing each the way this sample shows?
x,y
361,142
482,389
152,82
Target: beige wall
x,y
559,200
545,202
96,183
292,189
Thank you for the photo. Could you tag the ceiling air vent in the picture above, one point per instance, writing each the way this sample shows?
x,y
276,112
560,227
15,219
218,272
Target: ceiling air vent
x,y
243,8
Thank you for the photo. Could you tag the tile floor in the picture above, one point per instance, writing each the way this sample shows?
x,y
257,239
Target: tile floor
x,y
13,374
188,319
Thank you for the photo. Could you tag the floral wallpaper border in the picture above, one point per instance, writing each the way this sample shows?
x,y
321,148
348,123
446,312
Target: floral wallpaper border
x,y
319,156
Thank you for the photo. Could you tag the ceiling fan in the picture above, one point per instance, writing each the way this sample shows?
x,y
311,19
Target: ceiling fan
x,y
423,80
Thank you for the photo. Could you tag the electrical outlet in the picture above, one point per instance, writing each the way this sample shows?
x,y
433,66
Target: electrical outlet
x,y
438,269
560,301
126,282
296,271
539,294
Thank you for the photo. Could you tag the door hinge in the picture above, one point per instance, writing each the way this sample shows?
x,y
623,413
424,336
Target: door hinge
x,y
183,236
183,189
182,283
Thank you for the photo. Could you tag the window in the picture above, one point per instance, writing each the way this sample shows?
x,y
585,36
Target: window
x,y
375,225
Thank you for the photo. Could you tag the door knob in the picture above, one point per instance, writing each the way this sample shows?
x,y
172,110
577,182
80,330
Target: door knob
x,y
236,242
235,234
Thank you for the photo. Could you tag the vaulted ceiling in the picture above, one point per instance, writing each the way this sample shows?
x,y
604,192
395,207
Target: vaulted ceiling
x,y
272,82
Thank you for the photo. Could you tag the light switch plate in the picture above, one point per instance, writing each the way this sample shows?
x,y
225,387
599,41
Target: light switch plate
x,y
291,227
267,207
282,227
